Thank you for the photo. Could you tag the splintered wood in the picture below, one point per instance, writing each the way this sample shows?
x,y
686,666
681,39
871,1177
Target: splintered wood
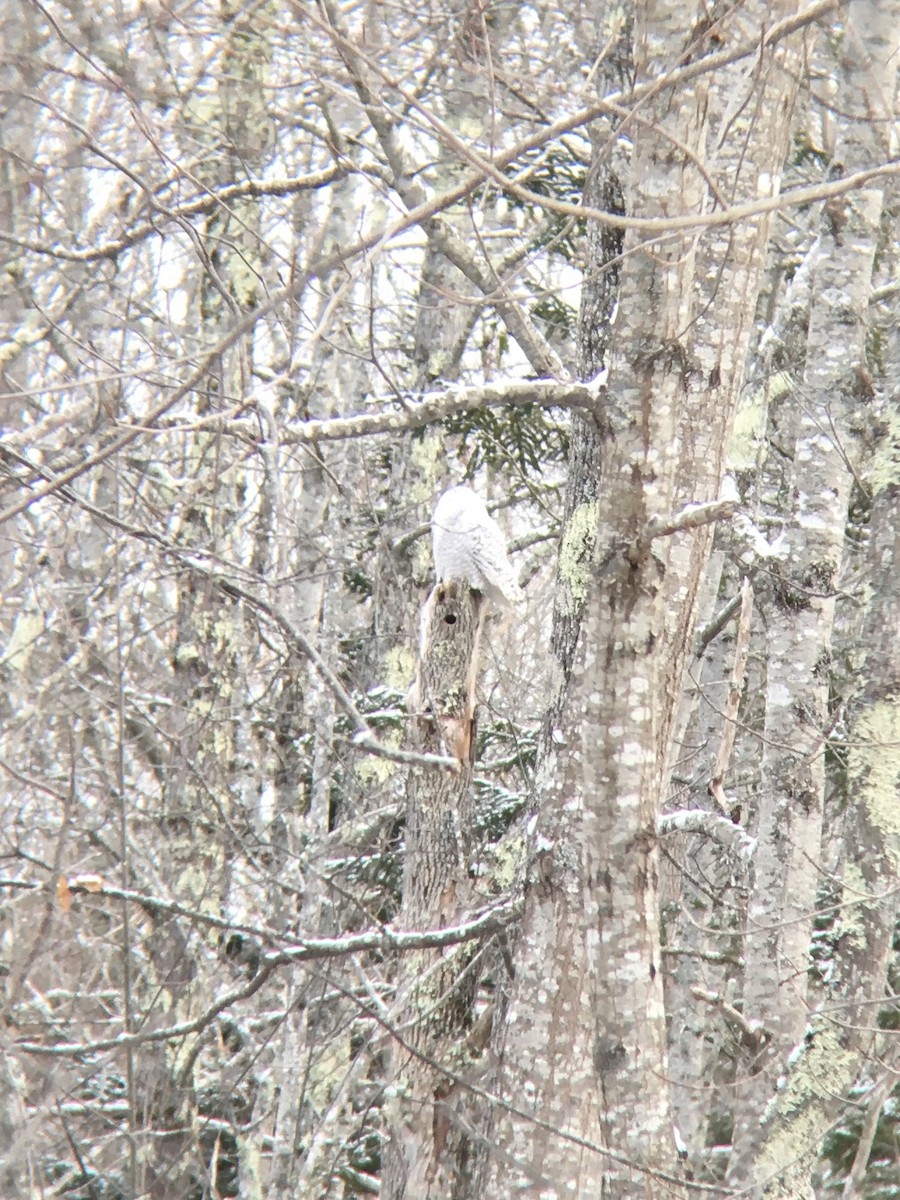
x,y
437,985
444,694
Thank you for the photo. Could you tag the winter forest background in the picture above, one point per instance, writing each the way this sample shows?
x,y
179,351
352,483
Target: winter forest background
x,y
275,274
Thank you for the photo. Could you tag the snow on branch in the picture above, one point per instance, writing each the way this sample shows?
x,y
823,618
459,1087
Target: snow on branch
x,y
382,939
400,415
720,829
754,1034
200,205
692,516
432,407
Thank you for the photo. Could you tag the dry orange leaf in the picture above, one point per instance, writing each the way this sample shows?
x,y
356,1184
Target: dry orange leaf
x,y
63,894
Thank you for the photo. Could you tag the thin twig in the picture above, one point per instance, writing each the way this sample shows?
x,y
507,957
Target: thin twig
x,y
753,1033
714,627
732,704
383,939
876,1101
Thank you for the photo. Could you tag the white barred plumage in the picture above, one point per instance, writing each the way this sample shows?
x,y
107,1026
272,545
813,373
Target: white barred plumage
x,y
469,546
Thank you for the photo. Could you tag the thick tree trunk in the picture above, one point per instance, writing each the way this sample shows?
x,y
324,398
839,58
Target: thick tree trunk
x,y
584,1044
844,1035
428,1151
825,439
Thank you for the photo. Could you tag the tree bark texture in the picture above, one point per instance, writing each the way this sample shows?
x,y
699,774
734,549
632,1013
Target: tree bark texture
x,y
824,433
584,1043
428,1149
236,243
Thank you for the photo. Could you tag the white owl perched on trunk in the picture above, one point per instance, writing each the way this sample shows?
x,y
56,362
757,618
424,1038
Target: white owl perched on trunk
x,y
469,547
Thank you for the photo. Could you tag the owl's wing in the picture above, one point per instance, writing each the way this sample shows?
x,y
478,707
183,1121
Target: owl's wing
x,y
492,560
469,546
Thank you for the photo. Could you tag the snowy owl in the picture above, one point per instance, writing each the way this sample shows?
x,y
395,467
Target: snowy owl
x,y
469,546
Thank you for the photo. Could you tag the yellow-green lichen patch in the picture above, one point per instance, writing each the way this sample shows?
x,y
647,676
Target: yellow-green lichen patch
x,y
883,466
425,453
376,771
245,281
780,385
508,859
875,768
222,744
823,1069
399,668
251,1167
328,1067
576,552
743,445
223,629
187,654
25,633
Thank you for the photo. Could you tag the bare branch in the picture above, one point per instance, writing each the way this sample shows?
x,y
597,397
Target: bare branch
x,y
692,516
713,628
710,956
542,137
364,737
876,1100
414,414
753,1033
201,205
611,105
534,346
493,168
431,207
367,741
383,939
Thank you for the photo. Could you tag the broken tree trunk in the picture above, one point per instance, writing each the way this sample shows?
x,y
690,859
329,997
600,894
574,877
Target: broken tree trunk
x,y
428,1150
